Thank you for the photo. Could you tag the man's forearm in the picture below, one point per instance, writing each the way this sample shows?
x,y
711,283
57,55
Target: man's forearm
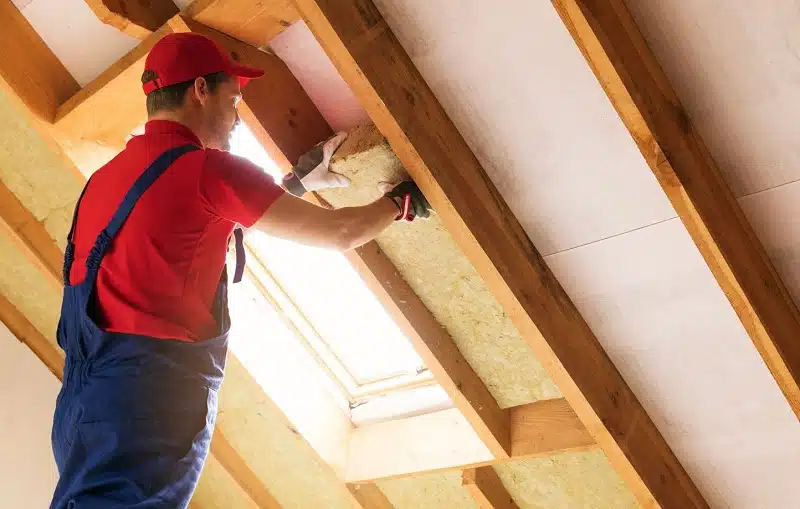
x,y
362,224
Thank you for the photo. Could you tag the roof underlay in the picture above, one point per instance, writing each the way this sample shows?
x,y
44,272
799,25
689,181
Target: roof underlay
x,y
536,118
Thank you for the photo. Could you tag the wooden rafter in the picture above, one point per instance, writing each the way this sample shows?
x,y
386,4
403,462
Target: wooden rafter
x,y
134,17
607,36
253,21
279,100
369,496
486,489
30,67
378,70
425,444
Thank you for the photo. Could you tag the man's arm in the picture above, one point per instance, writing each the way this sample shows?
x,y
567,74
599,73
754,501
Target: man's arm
x,y
346,228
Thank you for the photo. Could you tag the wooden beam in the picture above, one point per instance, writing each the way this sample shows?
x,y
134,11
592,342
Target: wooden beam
x,y
607,36
29,234
485,487
435,346
547,427
231,461
255,22
30,67
277,100
374,64
444,441
134,17
47,351
369,496
113,104
293,122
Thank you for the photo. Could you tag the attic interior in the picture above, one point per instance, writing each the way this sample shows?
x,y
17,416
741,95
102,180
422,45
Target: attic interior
x,y
601,313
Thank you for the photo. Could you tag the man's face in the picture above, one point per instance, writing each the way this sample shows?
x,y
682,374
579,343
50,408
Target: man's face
x,y
220,113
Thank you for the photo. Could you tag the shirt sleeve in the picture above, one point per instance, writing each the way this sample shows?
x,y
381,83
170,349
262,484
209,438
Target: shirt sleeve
x,y
235,189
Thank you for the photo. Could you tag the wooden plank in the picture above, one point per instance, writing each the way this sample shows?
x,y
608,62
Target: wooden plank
x,y
47,351
277,100
381,74
435,346
30,235
369,496
112,105
440,442
547,427
255,22
30,68
134,17
640,91
231,461
486,488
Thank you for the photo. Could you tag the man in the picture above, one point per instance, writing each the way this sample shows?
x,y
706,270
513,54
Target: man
x,y
144,319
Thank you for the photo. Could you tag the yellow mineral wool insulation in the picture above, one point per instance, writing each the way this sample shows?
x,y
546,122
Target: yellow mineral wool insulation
x,y
34,170
429,259
218,489
442,491
28,289
289,467
568,481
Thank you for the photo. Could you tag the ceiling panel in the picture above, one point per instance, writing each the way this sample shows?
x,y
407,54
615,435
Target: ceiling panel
x,y
735,65
669,329
522,96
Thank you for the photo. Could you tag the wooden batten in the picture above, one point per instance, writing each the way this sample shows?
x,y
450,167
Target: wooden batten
x,y
486,489
134,17
252,21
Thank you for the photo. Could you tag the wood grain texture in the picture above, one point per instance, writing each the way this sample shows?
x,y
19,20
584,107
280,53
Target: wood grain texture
x,y
255,22
437,442
30,235
486,488
277,101
47,351
374,64
236,466
369,496
435,346
547,427
646,102
136,18
30,67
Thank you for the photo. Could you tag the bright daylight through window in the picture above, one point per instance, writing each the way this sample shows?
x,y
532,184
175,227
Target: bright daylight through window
x,y
316,298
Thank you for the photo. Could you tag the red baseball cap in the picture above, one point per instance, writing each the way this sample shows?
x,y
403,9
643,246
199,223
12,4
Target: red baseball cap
x,y
185,56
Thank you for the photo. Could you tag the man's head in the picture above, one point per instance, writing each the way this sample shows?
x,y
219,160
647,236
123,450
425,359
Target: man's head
x,y
189,79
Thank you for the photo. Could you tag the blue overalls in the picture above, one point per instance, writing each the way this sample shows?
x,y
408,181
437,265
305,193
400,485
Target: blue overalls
x,y
135,415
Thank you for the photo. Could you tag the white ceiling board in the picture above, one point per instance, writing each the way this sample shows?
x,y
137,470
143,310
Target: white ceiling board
x,y
85,45
301,52
21,3
735,64
774,216
669,329
522,96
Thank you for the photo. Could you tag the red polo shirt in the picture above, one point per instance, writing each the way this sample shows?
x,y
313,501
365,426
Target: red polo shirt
x,y
161,272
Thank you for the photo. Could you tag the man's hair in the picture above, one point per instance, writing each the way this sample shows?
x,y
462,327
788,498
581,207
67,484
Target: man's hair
x,y
171,97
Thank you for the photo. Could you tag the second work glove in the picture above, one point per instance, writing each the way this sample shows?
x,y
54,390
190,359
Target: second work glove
x,y
312,171
409,199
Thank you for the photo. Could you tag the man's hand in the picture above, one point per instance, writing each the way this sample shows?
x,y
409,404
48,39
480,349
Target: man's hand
x,y
312,171
410,201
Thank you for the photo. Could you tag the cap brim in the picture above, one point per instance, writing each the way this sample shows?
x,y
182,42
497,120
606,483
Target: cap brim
x,y
245,73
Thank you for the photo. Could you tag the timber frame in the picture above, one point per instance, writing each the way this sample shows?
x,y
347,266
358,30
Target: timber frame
x,y
599,409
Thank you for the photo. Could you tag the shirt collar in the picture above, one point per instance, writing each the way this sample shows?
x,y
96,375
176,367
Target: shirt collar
x,y
168,127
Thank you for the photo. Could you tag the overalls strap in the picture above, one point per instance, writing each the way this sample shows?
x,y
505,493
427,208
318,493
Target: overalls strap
x,y
104,238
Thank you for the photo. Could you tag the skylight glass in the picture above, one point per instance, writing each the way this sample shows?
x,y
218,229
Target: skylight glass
x,y
338,319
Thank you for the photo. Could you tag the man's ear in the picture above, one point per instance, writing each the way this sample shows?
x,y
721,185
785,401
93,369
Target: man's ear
x,y
200,90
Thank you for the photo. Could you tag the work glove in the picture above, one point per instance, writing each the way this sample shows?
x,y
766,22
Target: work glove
x,y
410,201
312,171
